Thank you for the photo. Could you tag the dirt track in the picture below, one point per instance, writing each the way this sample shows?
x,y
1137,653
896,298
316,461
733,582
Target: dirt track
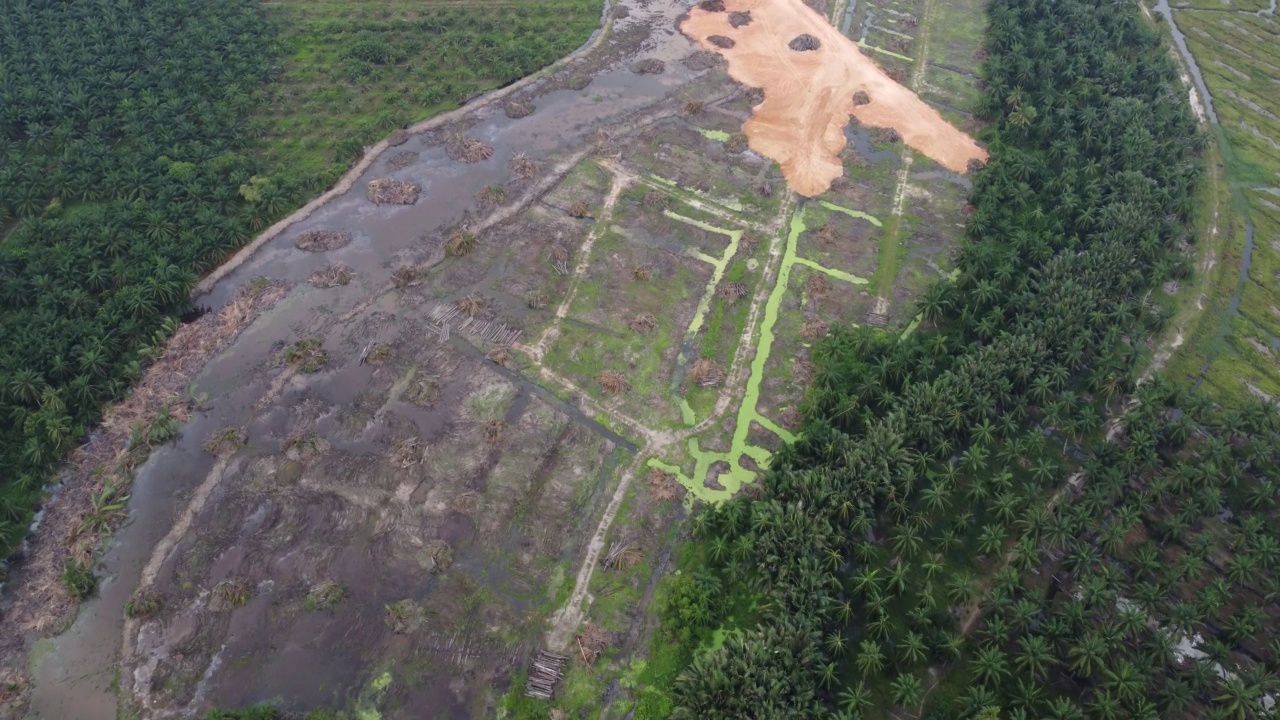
x,y
809,94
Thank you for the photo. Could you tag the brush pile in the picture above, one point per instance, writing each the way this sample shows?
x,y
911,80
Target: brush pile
x,y
591,642
386,191
613,382
516,109
522,167
468,150
332,276
706,373
322,240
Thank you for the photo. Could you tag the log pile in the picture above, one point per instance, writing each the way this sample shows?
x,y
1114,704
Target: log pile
x,y
490,330
546,673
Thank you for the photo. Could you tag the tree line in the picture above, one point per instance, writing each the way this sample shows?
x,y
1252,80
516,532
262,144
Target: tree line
x,y
125,136
991,518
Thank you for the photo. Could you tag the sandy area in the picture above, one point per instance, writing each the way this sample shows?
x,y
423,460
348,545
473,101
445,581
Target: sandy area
x,y
809,94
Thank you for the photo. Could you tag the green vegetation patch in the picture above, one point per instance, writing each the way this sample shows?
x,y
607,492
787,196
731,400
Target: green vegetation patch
x,y
353,72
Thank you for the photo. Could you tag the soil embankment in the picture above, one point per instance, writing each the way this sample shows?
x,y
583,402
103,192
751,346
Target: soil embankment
x,y
810,73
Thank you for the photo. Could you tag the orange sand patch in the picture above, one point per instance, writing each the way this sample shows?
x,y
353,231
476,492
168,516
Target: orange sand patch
x,y
809,95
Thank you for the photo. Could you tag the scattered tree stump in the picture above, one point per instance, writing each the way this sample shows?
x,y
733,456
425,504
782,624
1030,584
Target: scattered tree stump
x,y
721,41
739,19
403,160
861,98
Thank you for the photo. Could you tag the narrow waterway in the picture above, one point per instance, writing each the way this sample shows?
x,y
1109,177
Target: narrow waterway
x,y
1246,257
75,674
1180,41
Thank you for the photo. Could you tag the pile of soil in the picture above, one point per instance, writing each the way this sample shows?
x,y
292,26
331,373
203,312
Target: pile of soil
x,y
386,191
516,109
651,66
403,160
322,240
804,43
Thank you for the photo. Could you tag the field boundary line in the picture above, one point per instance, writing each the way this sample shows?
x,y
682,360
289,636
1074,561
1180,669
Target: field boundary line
x,y
348,180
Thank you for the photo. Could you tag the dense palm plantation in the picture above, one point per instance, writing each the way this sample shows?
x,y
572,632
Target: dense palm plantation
x,y
123,145
960,530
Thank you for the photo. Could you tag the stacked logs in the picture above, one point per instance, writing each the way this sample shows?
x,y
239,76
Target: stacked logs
x,y
546,673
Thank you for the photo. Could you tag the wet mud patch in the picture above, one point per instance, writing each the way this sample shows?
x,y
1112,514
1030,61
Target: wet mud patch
x,y
392,539
402,160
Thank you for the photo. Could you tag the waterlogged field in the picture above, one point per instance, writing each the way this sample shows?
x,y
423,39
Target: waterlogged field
x,y
1235,348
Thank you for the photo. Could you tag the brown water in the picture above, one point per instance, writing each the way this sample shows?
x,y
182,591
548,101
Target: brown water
x,y
75,673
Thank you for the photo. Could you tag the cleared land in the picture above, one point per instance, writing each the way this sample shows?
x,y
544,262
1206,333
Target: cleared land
x,y
810,92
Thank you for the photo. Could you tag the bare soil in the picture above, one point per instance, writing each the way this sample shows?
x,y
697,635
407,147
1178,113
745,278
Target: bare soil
x,y
809,93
